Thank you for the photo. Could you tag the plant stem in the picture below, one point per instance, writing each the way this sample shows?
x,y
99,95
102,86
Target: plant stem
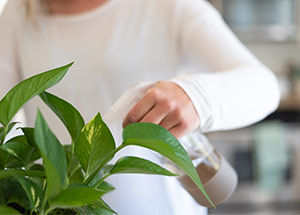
x,y
44,185
71,157
43,205
44,199
88,178
119,148
74,170
102,179
49,210
4,134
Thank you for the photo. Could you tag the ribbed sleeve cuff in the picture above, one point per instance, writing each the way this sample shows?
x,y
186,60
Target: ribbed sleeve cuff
x,y
197,94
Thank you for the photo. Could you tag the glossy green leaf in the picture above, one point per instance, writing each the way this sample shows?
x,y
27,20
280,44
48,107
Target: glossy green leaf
x,y
71,159
54,158
3,133
5,210
2,193
75,173
76,177
106,187
10,126
75,197
13,193
29,134
31,173
38,180
26,90
9,161
95,145
101,204
97,208
19,148
37,166
130,164
66,112
32,190
4,158
93,211
159,139
103,171
68,150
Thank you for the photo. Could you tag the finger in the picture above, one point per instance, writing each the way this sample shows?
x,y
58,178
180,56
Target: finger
x,y
139,110
170,121
156,114
179,130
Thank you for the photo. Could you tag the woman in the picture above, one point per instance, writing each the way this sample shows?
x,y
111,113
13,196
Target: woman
x,y
209,80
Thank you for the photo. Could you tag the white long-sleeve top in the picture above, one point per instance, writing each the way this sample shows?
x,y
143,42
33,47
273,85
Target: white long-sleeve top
x,y
128,41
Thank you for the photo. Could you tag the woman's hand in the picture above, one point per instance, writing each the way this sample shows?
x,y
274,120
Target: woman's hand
x,y
168,105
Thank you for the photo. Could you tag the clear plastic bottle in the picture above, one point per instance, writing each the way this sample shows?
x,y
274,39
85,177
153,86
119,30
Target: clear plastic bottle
x,y
216,174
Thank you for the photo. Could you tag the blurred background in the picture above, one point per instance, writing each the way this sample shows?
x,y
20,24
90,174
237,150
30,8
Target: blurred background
x,y
267,154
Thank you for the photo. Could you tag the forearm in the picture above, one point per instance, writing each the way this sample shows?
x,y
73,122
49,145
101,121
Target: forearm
x,y
233,98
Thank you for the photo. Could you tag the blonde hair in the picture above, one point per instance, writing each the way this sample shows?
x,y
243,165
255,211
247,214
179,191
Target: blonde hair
x,y
31,7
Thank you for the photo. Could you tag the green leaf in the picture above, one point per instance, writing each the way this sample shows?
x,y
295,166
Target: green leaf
x,y
159,139
31,173
14,193
4,158
27,89
19,148
2,193
103,172
72,161
97,208
5,210
77,177
106,187
10,126
101,204
75,173
16,153
3,133
54,158
68,151
29,134
130,164
37,166
75,197
9,161
93,211
66,112
94,146
32,190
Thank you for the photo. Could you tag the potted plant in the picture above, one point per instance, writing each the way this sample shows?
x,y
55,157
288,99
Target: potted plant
x,y
71,179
